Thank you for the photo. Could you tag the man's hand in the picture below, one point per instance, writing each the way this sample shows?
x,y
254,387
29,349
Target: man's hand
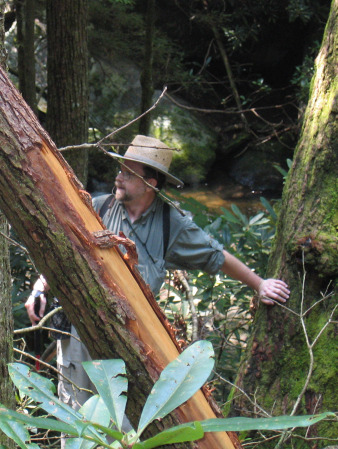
x,y
39,288
274,289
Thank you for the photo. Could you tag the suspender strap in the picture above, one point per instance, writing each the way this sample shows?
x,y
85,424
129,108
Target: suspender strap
x,y
108,202
166,227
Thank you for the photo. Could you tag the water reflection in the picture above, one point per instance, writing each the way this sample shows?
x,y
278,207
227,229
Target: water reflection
x,y
224,195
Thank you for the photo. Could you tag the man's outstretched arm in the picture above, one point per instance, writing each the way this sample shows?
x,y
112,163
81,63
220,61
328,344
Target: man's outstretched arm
x,y
266,288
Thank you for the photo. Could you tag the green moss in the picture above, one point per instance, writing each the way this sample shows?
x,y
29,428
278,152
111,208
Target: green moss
x,y
196,142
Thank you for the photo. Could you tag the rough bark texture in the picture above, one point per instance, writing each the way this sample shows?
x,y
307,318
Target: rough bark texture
x,y
278,360
25,17
101,292
67,64
147,72
6,325
6,319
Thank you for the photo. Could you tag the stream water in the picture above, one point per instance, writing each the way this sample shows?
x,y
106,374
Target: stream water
x,y
228,193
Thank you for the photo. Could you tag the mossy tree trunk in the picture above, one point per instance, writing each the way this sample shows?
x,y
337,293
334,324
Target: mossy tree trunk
x,y
278,359
67,78
6,319
101,291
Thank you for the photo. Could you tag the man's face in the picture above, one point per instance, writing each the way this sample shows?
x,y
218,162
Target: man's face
x,y
128,186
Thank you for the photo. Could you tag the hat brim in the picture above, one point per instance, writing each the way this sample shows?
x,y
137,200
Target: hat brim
x,y
170,178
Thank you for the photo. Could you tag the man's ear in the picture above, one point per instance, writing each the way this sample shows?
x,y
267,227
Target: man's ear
x,y
152,181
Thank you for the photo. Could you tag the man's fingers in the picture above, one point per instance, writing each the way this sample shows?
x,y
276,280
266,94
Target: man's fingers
x,y
275,289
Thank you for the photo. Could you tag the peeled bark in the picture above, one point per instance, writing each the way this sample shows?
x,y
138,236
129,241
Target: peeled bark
x,y
101,292
305,255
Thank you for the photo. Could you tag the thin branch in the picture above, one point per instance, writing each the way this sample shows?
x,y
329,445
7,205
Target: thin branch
x,y
137,118
318,302
254,403
15,243
228,111
190,299
39,325
330,321
287,433
82,146
47,365
282,305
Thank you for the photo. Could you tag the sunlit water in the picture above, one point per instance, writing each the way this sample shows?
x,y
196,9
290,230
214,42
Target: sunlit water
x,y
216,197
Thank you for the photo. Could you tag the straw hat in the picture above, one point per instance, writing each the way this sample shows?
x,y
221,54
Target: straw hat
x,y
152,152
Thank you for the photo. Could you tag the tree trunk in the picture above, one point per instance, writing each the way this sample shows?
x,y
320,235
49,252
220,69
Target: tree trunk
x,y
100,291
67,65
147,72
278,359
6,325
25,13
6,319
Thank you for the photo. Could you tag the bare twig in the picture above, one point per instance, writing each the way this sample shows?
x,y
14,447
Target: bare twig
x,y
190,299
286,434
15,243
52,368
41,326
254,403
137,118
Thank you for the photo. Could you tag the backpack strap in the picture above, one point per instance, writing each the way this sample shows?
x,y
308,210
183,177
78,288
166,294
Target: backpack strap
x,y
109,201
166,227
107,204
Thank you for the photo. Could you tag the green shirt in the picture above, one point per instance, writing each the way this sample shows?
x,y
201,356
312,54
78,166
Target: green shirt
x,y
189,247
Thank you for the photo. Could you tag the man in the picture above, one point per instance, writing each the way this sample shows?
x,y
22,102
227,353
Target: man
x,y
137,211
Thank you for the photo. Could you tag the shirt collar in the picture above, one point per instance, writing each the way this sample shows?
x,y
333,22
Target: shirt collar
x,y
146,213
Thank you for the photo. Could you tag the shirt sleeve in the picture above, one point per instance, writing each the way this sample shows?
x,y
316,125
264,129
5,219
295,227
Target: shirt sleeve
x,y
190,248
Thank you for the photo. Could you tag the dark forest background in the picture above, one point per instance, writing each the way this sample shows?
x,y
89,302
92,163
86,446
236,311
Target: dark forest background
x,y
237,75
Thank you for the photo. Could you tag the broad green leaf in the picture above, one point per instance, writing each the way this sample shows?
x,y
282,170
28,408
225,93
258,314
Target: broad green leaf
x,y
186,432
94,410
276,423
258,219
42,391
268,207
109,432
178,382
229,216
108,376
239,214
9,416
13,429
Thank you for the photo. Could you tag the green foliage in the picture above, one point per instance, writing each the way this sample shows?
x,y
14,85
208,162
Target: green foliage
x,y
247,237
281,170
303,74
93,423
195,142
300,9
223,304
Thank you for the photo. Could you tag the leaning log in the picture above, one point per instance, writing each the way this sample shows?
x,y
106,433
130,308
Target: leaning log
x,y
101,291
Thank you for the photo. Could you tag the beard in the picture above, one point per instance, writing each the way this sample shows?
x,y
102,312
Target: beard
x,y
121,194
